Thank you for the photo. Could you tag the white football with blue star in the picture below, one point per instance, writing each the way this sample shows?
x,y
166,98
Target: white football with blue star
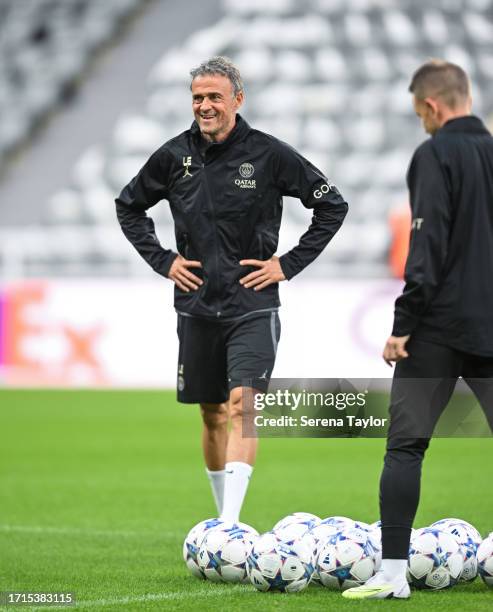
x,y
224,551
485,560
274,565
375,530
192,543
469,539
348,559
327,528
297,518
436,559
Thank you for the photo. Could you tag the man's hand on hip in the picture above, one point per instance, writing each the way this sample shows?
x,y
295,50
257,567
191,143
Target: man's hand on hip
x,y
181,275
394,349
268,272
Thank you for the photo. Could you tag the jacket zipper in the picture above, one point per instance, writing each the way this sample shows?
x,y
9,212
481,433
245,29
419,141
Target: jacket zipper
x,y
216,240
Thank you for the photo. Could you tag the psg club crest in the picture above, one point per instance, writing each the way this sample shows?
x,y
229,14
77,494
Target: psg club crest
x,y
246,170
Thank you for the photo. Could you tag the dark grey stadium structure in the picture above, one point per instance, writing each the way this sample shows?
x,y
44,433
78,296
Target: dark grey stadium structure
x,y
328,76
45,45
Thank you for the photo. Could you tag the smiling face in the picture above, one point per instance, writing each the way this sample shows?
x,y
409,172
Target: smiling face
x,y
215,105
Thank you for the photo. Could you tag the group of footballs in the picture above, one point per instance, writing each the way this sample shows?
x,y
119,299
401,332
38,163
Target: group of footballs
x,y
335,552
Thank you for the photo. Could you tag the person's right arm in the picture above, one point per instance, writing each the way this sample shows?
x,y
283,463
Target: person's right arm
x,y
431,209
145,190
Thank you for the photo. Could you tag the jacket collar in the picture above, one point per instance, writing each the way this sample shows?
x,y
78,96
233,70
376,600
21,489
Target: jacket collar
x,y
469,124
238,133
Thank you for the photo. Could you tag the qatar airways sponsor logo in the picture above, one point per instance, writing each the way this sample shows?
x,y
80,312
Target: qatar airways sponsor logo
x,y
246,184
246,171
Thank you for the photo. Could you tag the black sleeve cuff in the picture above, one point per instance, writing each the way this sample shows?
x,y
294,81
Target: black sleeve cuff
x,y
288,270
168,262
404,324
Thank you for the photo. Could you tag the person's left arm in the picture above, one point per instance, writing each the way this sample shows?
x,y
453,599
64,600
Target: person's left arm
x,y
297,177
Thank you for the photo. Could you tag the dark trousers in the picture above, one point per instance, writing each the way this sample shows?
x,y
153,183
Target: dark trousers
x,y
422,386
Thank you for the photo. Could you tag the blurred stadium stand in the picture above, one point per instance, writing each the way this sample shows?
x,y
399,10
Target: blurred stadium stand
x,y
328,76
44,47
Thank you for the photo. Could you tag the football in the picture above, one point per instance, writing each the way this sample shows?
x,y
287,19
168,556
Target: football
x,y
294,532
192,543
469,538
485,560
330,526
223,554
322,532
375,530
305,519
348,559
436,560
274,565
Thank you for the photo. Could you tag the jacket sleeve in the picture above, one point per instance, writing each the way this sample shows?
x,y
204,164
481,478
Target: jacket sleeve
x,y
431,209
145,190
297,177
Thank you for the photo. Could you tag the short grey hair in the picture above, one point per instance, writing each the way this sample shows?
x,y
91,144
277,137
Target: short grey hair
x,y
220,65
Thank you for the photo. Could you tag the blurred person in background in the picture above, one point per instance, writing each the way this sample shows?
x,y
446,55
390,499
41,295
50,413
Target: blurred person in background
x,y
443,322
224,182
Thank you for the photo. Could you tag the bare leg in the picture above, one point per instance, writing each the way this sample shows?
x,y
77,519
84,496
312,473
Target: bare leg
x,y
239,448
240,457
214,434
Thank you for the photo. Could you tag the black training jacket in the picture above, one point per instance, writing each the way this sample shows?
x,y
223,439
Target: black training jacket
x,y
227,206
448,296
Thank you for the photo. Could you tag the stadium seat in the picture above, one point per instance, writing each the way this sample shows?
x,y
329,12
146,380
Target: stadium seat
x,y
331,64
479,28
138,134
293,66
358,29
399,28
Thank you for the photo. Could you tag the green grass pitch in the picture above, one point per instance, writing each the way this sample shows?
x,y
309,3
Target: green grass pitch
x,y
98,490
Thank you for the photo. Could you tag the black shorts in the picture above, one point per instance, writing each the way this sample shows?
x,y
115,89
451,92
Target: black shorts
x,y
217,356
423,385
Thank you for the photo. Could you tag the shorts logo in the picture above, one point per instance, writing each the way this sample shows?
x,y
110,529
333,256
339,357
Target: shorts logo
x,y
181,379
246,170
417,223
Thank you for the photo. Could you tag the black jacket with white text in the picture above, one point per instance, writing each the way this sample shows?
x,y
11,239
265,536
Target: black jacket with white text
x,y
448,296
227,206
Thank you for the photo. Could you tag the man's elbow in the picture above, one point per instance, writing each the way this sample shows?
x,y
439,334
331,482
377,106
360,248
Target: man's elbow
x,y
332,211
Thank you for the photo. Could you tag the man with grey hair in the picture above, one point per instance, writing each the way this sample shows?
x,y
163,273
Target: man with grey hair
x,y
224,182
443,321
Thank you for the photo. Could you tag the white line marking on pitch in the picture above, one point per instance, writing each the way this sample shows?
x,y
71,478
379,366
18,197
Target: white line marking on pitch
x,y
83,531
120,601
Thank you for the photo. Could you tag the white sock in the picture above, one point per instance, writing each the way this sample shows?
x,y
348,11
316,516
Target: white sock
x,y
217,485
394,569
235,487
